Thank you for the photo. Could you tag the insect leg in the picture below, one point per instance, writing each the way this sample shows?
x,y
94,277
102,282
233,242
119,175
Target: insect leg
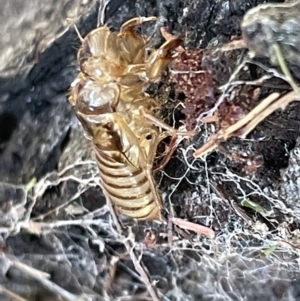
x,y
164,126
149,146
130,24
127,141
170,131
168,155
131,44
160,58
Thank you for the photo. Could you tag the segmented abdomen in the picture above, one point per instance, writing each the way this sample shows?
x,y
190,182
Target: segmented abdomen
x,y
130,189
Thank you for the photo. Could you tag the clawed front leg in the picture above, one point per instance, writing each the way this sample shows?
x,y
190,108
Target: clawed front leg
x,y
131,44
130,24
132,49
160,58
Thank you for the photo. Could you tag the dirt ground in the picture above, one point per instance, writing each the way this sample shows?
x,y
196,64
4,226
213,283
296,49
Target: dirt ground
x,y
58,240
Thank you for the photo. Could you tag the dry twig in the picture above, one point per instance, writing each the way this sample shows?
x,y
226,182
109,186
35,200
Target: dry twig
x,y
234,44
244,126
199,229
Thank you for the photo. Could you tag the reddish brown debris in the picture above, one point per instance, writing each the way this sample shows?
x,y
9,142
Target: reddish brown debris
x,y
243,101
201,93
196,84
250,161
150,239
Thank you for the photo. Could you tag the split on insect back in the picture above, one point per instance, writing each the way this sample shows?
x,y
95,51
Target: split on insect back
x,y
118,116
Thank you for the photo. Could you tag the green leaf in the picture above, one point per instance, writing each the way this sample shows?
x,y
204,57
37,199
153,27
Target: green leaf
x,y
30,184
254,206
270,250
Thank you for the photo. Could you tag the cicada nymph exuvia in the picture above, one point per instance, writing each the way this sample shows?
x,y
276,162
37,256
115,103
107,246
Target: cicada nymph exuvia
x,y
119,117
